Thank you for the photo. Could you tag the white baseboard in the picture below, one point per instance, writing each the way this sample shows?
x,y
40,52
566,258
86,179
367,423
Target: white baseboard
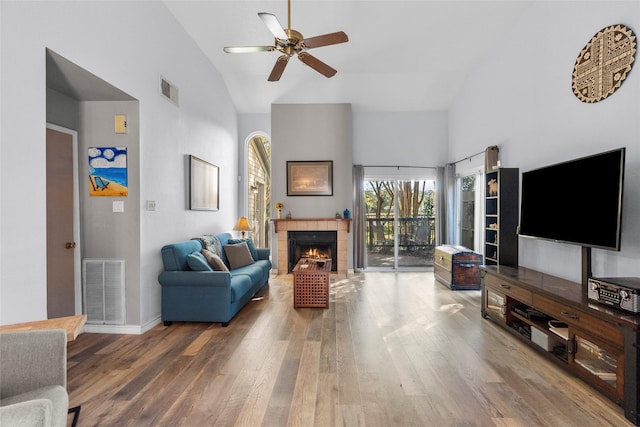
x,y
121,329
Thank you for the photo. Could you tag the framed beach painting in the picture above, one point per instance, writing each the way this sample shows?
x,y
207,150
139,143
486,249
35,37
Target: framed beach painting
x,y
310,178
203,185
108,171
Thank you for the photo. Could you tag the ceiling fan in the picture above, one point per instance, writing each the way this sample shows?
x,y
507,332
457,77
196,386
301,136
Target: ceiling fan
x,y
291,42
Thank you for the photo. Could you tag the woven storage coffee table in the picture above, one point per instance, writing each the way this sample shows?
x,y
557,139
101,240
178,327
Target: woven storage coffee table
x,y
311,283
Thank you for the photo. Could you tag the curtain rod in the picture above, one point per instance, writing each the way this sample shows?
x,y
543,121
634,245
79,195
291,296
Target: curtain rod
x,y
469,157
398,167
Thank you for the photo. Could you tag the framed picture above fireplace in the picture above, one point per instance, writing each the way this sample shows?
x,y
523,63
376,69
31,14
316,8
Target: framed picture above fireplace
x,y
310,178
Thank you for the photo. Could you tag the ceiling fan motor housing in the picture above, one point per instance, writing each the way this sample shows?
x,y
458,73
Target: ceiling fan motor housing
x,y
293,45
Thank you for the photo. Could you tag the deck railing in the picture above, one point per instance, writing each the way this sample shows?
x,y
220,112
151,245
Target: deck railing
x,y
414,234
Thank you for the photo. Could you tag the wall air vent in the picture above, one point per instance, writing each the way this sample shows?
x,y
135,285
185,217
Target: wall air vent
x,y
103,281
168,90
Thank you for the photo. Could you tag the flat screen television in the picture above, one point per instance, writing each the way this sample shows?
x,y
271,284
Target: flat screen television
x,y
577,202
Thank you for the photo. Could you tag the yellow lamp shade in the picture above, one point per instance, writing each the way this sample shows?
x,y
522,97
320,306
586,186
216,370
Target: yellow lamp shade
x,y
242,225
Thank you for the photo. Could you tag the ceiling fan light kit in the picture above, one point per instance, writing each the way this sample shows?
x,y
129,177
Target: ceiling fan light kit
x,y
291,42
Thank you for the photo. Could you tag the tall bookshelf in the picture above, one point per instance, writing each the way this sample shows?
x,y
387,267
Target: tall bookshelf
x,y
501,216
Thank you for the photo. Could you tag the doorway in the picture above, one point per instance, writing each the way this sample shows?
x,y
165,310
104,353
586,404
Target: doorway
x,y
469,223
468,211
400,223
64,297
258,194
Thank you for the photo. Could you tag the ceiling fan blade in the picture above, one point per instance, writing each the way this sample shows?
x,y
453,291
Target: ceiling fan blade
x,y
316,64
278,69
326,40
249,49
273,25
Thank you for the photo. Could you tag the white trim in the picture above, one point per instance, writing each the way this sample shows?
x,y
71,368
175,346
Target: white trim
x,y
122,329
244,181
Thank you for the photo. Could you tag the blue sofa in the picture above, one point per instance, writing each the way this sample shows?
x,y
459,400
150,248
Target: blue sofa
x,y
208,296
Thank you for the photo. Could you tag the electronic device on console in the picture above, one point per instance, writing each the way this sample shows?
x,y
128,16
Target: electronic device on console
x,y
619,292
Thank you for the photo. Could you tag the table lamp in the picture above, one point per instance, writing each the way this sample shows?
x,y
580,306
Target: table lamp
x,y
242,225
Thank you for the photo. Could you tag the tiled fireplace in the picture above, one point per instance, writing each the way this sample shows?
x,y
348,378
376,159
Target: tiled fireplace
x,y
339,226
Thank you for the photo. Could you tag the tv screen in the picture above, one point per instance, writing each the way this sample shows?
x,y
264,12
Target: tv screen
x,y
577,202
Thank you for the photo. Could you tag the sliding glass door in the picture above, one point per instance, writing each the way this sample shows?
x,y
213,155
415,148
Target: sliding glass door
x,y
400,222
469,211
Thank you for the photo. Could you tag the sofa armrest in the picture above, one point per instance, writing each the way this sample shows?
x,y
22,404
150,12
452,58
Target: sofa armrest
x,y
263,253
219,279
31,360
36,412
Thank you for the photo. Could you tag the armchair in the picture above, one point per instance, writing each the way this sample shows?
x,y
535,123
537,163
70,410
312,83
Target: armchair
x,y
33,378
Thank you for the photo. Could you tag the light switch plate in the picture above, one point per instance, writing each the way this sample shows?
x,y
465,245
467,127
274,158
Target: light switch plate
x,y
118,206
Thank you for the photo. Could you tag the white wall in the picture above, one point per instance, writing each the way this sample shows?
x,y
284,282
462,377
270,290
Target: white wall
x,y
400,139
130,46
520,99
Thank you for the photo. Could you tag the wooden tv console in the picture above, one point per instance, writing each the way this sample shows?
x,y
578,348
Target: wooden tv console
x,y
599,344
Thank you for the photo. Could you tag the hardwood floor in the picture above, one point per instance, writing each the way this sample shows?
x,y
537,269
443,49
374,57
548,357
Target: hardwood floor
x,y
393,349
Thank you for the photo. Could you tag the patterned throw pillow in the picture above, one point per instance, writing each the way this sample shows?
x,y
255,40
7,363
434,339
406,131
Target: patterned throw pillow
x,y
214,261
250,244
238,255
210,243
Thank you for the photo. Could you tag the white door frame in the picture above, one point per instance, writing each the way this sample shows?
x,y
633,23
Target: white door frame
x,y
77,265
477,170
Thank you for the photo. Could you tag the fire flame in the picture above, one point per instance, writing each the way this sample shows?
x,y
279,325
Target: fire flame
x,y
315,253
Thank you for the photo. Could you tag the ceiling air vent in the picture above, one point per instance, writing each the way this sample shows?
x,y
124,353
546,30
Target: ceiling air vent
x,y
168,90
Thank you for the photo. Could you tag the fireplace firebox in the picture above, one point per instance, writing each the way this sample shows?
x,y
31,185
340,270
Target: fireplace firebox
x,y
312,244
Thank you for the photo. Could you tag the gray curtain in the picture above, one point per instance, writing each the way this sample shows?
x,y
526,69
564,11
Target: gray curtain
x,y
358,221
446,205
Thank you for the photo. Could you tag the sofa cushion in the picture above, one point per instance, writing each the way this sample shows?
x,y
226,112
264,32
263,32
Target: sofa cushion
x,y
214,261
250,244
238,255
197,262
255,271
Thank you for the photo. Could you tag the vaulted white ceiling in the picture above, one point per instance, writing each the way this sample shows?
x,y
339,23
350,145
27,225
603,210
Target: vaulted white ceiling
x,y
401,55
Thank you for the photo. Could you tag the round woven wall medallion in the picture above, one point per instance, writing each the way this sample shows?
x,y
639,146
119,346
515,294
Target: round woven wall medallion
x,y
603,64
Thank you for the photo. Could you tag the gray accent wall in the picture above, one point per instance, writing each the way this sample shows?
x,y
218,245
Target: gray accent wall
x,y
62,110
106,234
312,132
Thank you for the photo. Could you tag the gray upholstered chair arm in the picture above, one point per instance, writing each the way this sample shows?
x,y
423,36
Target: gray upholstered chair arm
x,y
31,413
31,360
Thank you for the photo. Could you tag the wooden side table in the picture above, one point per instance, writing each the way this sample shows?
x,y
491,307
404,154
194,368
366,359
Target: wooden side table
x,y
311,283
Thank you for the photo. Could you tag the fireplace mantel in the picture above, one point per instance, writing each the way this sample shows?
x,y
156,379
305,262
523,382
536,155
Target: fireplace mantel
x,y
340,225
281,224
